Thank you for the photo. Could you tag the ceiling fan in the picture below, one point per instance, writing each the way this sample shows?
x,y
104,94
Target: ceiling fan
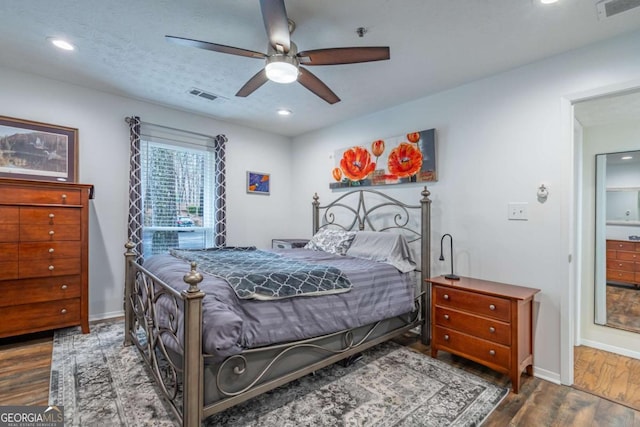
x,y
283,61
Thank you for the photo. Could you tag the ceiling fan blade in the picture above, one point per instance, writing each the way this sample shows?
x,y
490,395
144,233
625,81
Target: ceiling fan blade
x,y
254,83
315,85
344,55
276,23
216,47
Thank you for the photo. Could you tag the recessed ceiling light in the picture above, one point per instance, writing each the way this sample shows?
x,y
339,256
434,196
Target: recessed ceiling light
x,y
627,157
61,44
548,1
284,112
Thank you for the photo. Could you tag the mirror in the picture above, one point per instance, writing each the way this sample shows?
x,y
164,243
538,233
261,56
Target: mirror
x,y
617,269
622,206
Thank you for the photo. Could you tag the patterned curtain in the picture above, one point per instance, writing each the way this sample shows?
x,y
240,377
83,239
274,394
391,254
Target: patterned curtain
x,y
135,187
220,199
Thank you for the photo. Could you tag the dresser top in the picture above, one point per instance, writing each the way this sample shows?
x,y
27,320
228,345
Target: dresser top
x,y
486,287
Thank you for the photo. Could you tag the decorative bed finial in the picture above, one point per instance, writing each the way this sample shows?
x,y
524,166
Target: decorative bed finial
x,y
193,278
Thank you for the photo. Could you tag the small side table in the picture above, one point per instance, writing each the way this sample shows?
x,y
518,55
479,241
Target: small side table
x,y
288,243
488,322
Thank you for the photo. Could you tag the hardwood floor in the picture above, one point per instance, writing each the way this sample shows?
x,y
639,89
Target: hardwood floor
x,y
25,366
623,307
607,374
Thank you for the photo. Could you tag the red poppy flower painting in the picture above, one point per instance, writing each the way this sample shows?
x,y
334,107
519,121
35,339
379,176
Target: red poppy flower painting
x,y
356,163
408,157
405,160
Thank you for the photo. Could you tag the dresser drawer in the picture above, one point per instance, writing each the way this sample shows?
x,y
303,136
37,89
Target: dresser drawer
x,y
8,270
628,256
611,254
620,245
48,268
49,250
486,352
29,291
9,232
39,316
616,264
622,276
51,216
19,194
8,252
9,215
48,233
489,329
483,305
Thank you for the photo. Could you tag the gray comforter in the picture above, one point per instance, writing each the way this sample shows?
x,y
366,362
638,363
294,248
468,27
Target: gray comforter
x,y
230,325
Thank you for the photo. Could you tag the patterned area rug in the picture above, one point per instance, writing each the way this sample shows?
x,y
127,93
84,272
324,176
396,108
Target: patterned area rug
x,y
100,382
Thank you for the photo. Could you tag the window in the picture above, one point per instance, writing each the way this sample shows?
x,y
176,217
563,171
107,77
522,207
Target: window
x,y
177,178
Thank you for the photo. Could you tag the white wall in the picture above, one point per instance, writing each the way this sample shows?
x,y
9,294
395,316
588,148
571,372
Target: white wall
x,y
599,140
104,162
498,139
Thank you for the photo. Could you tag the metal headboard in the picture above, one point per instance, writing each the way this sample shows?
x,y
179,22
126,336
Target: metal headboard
x,y
376,211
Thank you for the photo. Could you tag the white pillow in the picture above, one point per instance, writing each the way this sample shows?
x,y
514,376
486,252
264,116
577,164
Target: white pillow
x,y
387,247
331,240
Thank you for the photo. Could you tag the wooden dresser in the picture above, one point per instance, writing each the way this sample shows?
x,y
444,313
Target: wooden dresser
x,y
623,262
487,322
44,236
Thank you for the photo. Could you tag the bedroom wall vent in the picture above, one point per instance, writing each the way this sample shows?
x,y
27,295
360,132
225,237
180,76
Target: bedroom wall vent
x,y
608,8
202,94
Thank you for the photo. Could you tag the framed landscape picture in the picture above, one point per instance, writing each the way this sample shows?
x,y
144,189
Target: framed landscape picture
x,y
40,151
258,183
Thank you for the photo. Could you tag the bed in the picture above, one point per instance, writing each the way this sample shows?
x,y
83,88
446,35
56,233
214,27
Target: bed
x,y
210,346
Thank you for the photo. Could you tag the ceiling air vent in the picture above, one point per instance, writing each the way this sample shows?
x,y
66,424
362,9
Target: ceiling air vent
x,y
608,8
202,94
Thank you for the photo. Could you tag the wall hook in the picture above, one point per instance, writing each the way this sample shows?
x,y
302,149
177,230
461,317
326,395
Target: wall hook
x,y
543,193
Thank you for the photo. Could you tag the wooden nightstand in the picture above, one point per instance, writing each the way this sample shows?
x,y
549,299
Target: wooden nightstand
x,y
288,243
487,322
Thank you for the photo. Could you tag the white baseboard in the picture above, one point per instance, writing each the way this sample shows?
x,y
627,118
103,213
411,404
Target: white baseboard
x,y
543,374
611,348
104,316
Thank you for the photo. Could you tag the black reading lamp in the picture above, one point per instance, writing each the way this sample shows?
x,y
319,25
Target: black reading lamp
x,y
448,276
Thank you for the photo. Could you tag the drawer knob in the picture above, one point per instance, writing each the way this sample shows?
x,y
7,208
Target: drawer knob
x,y
492,307
446,337
446,296
619,265
492,352
51,233
492,329
446,317
620,245
64,197
51,216
63,311
51,267
51,250
64,287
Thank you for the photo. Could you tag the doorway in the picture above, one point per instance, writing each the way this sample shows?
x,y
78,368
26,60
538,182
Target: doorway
x,y
606,124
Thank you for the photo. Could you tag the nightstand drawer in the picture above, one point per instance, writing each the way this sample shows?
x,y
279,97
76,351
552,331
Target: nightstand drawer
x,y
493,354
488,329
483,305
288,243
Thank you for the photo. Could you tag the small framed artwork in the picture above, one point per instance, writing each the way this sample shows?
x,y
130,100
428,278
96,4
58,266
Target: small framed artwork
x,y
258,182
40,151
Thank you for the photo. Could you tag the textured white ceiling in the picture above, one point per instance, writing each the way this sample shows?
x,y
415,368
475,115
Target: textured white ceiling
x,y
435,45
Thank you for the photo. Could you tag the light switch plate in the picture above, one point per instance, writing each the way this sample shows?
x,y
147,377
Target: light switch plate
x,y
518,211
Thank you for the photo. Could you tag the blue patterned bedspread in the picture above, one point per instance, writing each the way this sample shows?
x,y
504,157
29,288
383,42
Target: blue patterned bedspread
x,y
256,274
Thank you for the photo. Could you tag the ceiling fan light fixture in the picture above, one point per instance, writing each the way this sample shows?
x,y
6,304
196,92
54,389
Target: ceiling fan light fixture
x,y
61,43
282,69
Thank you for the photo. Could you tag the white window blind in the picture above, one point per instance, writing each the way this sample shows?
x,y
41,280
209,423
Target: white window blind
x,y
177,174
